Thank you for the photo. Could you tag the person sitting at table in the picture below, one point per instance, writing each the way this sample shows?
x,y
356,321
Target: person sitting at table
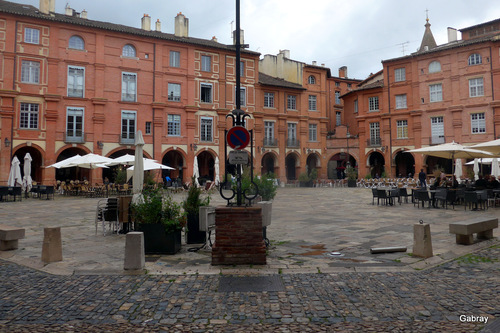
x,y
492,183
481,183
454,182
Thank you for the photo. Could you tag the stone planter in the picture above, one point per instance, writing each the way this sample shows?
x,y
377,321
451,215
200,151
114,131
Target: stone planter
x,y
351,183
157,241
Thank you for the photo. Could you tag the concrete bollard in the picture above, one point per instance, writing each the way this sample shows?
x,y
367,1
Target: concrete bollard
x,y
52,245
422,243
134,251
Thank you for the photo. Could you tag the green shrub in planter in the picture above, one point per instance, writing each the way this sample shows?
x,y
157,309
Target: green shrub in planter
x,y
191,206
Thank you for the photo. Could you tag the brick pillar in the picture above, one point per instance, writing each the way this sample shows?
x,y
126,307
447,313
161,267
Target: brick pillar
x,y
238,236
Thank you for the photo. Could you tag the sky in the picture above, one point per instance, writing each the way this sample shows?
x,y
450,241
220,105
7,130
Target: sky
x,y
358,34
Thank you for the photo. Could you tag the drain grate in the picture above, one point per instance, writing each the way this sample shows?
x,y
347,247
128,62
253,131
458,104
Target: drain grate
x,y
250,283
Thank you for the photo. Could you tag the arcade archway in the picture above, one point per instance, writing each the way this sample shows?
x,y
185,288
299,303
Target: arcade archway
x,y
268,164
73,173
36,162
405,164
337,165
376,162
174,160
206,167
291,166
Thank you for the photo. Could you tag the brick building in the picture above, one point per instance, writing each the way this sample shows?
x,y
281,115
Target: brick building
x,y
441,93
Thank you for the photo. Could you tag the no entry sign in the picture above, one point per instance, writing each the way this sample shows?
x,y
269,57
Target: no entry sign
x,y
238,137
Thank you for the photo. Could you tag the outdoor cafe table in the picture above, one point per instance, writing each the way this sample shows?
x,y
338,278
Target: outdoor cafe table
x,y
391,193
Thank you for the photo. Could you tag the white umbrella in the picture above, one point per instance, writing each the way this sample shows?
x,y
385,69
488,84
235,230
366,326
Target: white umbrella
x,y
217,171
126,159
196,171
62,163
458,168
15,173
495,169
89,161
138,169
149,164
27,180
476,169
490,146
481,161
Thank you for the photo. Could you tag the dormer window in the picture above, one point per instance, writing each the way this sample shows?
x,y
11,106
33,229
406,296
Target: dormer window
x,y
475,59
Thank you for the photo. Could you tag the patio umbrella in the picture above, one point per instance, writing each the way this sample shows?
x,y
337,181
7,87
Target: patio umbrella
x,y
64,162
138,169
148,164
476,169
89,161
27,181
495,169
451,150
15,173
217,170
196,171
490,146
126,159
458,168
481,161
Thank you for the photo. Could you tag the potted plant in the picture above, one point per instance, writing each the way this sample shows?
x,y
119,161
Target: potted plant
x,y
191,208
161,220
267,190
305,180
352,176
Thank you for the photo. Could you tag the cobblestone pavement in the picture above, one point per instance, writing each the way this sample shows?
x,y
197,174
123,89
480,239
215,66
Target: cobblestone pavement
x,y
309,292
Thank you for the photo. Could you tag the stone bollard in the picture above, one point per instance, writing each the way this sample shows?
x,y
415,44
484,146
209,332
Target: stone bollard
x,y
134,251
52,245
422,243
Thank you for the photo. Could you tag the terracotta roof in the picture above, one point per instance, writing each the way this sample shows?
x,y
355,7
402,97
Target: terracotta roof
x,y
277,82
31,11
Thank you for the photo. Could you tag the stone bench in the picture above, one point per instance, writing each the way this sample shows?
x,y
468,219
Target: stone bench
x,y
465,230
9,237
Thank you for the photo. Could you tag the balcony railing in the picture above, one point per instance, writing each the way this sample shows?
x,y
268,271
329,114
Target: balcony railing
x,y
292,143
374,142
270,142
75,137
127,141
437,140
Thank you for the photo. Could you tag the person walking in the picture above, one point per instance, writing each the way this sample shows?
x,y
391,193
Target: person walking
x,y
422,177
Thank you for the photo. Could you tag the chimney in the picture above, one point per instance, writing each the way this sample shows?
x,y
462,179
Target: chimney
x,y
181,26
68,10
343,72
158,25
285,53
47,6
242,37
452,35
315,63
83,14
214,39
146,22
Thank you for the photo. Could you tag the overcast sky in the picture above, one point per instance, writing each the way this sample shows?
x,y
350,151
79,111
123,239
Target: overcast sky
x,y
358,34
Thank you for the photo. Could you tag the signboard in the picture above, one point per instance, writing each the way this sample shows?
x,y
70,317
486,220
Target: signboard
x,y
238,137
238,157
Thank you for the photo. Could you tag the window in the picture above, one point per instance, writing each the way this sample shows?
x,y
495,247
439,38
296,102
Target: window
x,y
375,134
373,103
128,51
291,102
206,64
28,117
437,130
313,132
76,42
174,92
355,106
147,129
175,59
476,87
269,133
242,69
312,103
76,81
206,129
311,80
478,123
337,97
402,126
243,92
338,118
31,36
30,71
475,59
74,124
129,87
435,67
400,74
174,125
128,127
269,100
349,85
292,135
436,92
401,101
206,93
337,84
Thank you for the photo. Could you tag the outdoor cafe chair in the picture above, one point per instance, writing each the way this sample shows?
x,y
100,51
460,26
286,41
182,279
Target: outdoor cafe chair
x,y
16,191
473,198
107,213
382,194
374,195
4,193
422,196
403,192
441,197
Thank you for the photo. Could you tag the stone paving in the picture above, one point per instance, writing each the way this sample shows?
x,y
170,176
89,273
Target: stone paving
x,y
395,292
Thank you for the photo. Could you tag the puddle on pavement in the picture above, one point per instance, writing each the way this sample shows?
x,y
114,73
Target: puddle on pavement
x,y
318,250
